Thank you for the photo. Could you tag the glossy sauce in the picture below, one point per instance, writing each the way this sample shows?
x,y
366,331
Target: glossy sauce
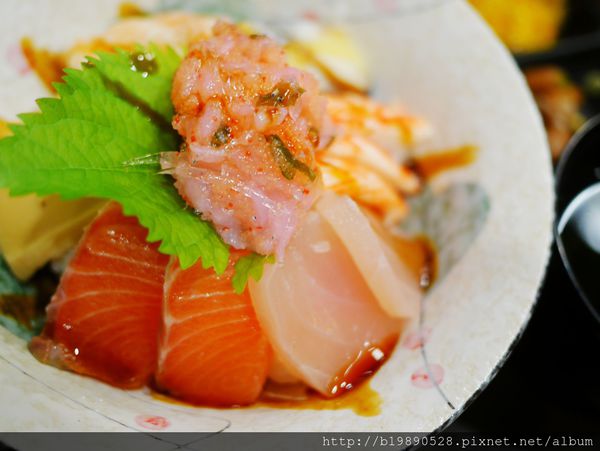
x,y
47,65
419,254
365,364
362,400
349,390
428,166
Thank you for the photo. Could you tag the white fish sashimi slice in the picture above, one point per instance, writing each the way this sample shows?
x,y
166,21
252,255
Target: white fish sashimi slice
x,y
280,374
316,308
390,280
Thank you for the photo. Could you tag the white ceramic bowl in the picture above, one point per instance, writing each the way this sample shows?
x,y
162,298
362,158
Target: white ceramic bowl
x,y
443,63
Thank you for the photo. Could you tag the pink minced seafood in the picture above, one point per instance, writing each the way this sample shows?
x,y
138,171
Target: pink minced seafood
x,y
251,125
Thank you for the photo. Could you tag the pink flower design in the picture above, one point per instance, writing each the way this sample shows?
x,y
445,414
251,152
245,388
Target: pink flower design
x,y
310,14
152,422
416,339
387,6
15,57
421,378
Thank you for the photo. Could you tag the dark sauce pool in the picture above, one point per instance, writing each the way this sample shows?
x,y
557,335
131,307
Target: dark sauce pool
x,y
349,390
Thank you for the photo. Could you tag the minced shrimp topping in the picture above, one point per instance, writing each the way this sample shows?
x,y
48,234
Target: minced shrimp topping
x,y
251,125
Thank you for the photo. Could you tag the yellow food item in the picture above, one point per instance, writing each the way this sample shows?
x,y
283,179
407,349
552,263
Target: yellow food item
x,y
35,230
330,51
524,25
4,130
128,9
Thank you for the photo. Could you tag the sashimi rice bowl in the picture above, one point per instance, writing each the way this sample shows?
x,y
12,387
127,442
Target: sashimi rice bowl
x,y
249,217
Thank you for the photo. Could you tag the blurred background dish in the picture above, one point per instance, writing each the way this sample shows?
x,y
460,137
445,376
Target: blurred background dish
x,y
524,26
556,43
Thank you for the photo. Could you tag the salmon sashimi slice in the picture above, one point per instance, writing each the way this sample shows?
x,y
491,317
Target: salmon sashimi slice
x,y
104,318
212,349
325,323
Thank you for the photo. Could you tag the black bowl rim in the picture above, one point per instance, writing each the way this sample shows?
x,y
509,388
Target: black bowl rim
x,y
590,125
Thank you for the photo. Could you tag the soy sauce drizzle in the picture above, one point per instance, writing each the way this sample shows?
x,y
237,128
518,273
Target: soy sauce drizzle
x,y
433,164
350,389
364,365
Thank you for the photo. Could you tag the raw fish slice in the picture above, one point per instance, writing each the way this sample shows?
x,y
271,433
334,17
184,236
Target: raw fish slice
x,y
103,320
390,280
280,374
321,318
212,349
251,125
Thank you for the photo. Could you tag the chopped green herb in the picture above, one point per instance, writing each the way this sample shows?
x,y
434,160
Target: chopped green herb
x,y
283,157
284,94
288,164
221,137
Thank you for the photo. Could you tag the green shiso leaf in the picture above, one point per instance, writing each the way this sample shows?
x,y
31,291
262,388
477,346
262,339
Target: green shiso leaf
x,y
102,138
